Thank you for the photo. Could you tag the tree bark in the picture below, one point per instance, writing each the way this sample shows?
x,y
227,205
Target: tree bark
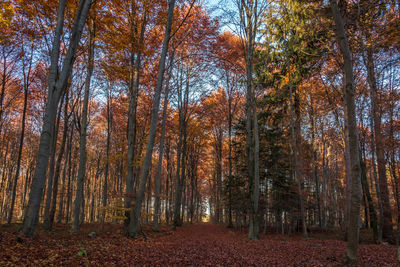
x,y
230,178
351,254
66,166
160,156
249,20
315,165
83,133
371,209
106,171
295,134
135,212
58,168
182,147
57,85
387,227
26,77
50,175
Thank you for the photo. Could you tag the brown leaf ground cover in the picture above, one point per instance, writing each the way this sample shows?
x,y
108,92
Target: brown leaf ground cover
x,y
201,244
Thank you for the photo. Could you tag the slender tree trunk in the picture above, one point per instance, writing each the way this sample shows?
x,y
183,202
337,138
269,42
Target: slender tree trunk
x,y
181,155
58,168
387,227
84,123
315,165
371,209
56,88
94,190
249,19
21,144
134,220
376,181
66,165
133,91
160,156
168,179
27,183
71,177
50,175
351,254
295,133
105,186
349,175
180,174
219,174
230,178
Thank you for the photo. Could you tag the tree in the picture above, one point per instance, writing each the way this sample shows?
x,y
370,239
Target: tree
x,y
57,84
27,63
249,12
351,255
83,130
135,212
161,152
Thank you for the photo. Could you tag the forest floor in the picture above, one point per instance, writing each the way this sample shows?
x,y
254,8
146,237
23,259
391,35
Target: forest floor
x,y
202,244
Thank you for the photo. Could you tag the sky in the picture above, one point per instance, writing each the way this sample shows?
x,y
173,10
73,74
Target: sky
x,y
216,7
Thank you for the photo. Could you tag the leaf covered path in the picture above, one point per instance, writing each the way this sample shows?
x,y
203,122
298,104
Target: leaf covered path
x,y
201,244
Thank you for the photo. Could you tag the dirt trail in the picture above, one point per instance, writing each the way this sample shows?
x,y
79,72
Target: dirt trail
x,y
202,244
206,244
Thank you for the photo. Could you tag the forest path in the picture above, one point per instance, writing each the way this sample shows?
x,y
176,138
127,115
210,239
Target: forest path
x,y
206,244
202,244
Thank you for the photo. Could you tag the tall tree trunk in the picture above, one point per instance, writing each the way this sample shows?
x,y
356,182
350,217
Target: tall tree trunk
x,y
249,20
105,185
50,175
71,177
84,123
58,168
134,220
387,227
168,179
28,174
219,175
314,164
351,254
133,92
181,155
371,209
57,84
160,156
230,178
66,166
21,144
295,134
376,181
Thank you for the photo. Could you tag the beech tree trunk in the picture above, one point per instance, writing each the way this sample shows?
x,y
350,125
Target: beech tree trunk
x,y
387,227
230,178
58,168
57,84
351,254
26,77
295,133
133,97
248,11
136,210
371,209
161,152
106,171
67,163
315,165
182,146
50,175
82,141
